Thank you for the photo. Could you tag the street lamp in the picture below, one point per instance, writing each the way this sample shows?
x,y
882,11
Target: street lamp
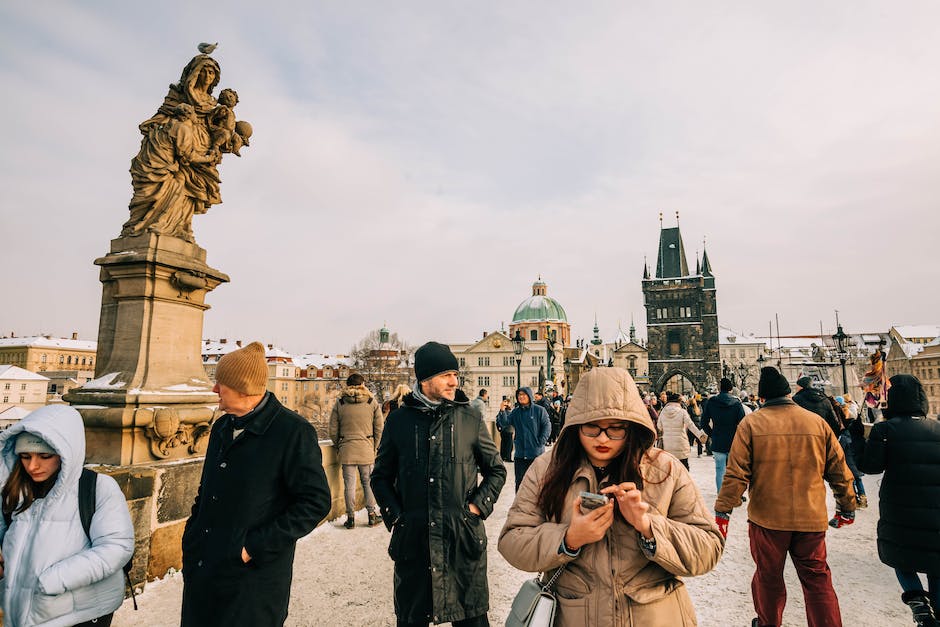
x,y
550,335
567,366
518,346
843,354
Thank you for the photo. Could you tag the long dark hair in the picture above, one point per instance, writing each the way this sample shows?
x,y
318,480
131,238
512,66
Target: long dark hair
x,y
569,455
20,489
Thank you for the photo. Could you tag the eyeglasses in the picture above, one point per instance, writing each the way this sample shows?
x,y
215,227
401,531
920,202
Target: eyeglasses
x,y
614,432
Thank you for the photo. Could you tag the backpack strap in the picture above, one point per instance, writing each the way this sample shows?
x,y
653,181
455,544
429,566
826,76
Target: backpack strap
x,y
87,488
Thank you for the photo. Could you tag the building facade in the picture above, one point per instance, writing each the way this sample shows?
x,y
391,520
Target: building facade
x,y
681,318
21,388
39,353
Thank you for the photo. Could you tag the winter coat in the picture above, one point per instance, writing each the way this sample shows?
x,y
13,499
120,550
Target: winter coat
x,y
612,582
480,405
674,425
356,426
424,479
532,427
817,402
53,575
781,454
263,491
907,449
721,416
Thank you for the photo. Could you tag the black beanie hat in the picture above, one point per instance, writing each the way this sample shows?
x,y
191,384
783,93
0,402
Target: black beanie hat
x,y
805,382
772,384
432,359
906,397
725,385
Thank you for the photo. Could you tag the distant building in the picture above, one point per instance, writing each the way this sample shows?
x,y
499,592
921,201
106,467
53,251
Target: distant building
x,y
538,314
681,319
39,353
21,388
915,350
741,358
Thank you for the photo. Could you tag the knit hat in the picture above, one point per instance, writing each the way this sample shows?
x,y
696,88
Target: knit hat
x,y
804,382
31,443
433,359
244,370
906,397
772,384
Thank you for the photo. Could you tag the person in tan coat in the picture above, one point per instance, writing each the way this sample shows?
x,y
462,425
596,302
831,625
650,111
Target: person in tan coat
x,y
356,429
781,454
624,560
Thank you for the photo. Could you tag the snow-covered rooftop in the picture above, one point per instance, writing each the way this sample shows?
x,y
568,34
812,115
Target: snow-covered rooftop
x,y
729,336
319,360
43,341
14,413
19,374
910,331
215,349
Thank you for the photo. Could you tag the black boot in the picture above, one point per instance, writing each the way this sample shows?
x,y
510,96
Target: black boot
x,y
920,607
350,522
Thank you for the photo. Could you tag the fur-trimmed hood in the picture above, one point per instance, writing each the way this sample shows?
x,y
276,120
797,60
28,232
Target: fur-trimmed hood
x,y
356,394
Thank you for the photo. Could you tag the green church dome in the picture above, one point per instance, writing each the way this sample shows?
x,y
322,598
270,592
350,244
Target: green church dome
x,y
539,307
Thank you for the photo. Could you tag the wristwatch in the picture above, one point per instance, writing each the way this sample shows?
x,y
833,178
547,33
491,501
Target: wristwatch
x,y
647,545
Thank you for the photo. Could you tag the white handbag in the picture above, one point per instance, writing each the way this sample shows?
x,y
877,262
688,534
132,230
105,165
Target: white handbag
x,y
534,605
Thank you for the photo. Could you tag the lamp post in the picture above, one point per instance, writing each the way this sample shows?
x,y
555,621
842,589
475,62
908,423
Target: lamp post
x,y
550,335
839,339
518,346
567,366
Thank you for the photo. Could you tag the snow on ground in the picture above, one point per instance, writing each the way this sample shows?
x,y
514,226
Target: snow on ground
x,y
344,577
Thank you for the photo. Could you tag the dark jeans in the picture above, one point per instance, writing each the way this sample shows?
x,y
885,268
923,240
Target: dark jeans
x,y
101,621
522,465
685,462
695,440
910,582
476,621
769,549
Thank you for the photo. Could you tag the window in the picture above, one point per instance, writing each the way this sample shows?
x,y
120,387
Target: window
x,y
22,399
61,359
284,386
42,358
534,334
509,381
535,360
483,361
507,360
52,388
6,386
22,386
91,361
463,362
69,361
6,399
483,382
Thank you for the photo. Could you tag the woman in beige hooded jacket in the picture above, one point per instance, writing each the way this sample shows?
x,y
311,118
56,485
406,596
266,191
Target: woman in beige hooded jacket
x,y
623,561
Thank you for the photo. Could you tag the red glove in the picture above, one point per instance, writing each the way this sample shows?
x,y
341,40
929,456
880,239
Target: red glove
x,y
722,519
841,519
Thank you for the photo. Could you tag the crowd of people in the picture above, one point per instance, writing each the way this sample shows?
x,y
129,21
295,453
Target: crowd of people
x,y
604,507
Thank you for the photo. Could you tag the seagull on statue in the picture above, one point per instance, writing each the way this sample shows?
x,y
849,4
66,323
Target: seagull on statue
x,y
205,48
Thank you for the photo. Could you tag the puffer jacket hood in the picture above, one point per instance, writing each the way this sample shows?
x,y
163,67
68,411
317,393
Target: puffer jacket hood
x,y
605,393
62,429
356,394
906,397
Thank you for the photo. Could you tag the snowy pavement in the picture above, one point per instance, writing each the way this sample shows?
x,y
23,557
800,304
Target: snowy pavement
x,y
344,577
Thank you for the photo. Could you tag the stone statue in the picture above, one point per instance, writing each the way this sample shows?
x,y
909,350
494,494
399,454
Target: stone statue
x,y
175,174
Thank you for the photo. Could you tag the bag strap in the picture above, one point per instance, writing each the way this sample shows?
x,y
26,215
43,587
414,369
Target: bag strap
x,y
549,586
87,488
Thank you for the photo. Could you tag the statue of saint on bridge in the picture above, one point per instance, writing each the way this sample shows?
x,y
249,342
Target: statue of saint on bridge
x,y
175,174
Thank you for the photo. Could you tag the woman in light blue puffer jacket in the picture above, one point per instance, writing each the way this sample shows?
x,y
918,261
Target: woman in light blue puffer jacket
x,y
53,575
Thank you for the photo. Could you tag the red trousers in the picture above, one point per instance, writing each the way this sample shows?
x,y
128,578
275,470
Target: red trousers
x,y
769,549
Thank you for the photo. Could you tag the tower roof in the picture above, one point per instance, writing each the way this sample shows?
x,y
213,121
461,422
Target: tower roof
x,y
671,261
706,264
539,307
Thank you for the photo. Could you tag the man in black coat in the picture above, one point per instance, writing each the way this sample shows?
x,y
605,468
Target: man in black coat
x,y
425,480
906,447
721,415
262,488
817,402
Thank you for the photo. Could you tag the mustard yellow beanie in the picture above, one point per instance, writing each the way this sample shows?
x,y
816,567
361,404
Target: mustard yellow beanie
x,y
244,370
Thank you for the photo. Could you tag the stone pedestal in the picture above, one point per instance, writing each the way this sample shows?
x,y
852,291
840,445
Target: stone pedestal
x,y
151,399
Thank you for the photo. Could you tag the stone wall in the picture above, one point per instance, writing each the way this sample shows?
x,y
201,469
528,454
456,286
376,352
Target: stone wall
x,y
160,497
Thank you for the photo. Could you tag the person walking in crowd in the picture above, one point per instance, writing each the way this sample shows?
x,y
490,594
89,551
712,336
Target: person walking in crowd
x,y
356,429
808,397
532,429
623,560
782,453
675,425
481,402
425,480
506,432
695,413
54,571
721,416
394,401
262,489
852,432
906,447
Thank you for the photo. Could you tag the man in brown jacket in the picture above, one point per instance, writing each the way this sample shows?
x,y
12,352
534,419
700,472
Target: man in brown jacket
x,y
356,429
781,454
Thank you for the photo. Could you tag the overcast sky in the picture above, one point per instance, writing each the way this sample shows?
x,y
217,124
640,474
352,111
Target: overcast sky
x,y
421,163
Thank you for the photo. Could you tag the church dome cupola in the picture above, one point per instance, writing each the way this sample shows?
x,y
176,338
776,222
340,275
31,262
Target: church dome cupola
x,y
540,307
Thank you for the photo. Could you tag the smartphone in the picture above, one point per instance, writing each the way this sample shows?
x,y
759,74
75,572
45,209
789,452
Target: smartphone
x,y
590,501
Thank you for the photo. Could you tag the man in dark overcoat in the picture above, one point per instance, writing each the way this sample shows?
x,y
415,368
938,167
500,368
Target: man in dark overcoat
x,y
262,488
426,481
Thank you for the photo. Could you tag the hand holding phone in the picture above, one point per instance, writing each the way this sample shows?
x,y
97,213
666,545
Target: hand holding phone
x,y
590,501
591,517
